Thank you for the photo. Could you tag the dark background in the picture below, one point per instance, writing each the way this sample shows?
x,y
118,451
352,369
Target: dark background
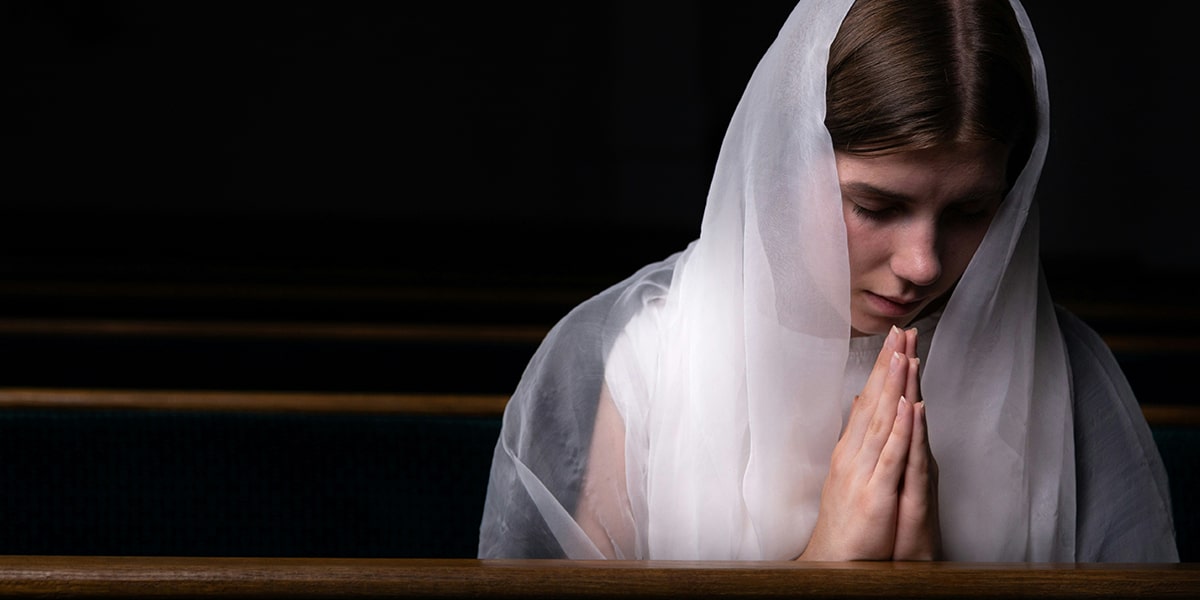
x,y
353,161
401,197
331,130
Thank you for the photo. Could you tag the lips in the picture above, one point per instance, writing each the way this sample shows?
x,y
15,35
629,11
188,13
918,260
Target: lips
x,y
894,306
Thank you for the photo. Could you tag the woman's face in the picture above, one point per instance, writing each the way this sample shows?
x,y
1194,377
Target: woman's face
x,y
913,222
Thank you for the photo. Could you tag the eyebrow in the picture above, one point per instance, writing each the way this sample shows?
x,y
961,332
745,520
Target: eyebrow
x,y
867,189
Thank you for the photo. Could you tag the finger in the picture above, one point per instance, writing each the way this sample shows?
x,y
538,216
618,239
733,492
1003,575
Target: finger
x,y
850,442
916,475
894,343
918,535
931,466
849,419
912,388
864,404
857,424
893,458
881,423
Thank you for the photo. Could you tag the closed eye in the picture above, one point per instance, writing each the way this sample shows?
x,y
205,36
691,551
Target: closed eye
x,y
872,214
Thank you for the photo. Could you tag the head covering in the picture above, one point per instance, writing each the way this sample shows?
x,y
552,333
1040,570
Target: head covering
x,y
725,364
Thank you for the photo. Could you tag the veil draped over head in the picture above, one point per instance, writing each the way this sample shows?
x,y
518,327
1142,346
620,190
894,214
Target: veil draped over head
x,y
724,366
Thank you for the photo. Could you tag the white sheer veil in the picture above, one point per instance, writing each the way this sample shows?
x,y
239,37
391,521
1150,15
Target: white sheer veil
x,y
732,353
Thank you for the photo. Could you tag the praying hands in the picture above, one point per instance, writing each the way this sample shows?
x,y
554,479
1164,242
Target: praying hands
x,y
879,501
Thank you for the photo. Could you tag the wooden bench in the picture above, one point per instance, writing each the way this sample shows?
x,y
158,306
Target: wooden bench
x,y
288,474
243,474
174,577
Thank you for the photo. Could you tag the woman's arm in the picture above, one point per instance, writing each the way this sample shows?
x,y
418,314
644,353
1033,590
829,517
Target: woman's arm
x,y
603,510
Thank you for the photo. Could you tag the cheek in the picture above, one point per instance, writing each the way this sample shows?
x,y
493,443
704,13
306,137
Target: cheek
x,y
867,247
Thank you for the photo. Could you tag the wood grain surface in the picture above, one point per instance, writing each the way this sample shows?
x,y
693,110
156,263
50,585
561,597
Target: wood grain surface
x,y
165,577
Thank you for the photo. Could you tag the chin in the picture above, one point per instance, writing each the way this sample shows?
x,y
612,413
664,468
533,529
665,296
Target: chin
x,y
868,327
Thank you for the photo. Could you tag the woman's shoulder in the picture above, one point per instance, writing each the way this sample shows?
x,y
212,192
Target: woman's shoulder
x,y
621,301
586,334
1099,388
1082,341
1123,503
1095,372
572,353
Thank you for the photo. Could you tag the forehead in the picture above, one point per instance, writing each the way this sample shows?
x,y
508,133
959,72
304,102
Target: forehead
x,y
944,172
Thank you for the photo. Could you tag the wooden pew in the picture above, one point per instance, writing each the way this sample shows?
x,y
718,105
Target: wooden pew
x,y
482,405
158,473
474,405
276,474
173,577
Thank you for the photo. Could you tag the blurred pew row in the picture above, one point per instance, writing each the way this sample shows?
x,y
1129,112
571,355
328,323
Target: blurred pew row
x,y
297,474
318,410
432,336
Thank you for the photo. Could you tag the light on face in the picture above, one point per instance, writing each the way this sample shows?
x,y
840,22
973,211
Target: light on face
x,y
913,221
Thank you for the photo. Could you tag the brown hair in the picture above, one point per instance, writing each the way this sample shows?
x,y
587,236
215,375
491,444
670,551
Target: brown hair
x,y
908,75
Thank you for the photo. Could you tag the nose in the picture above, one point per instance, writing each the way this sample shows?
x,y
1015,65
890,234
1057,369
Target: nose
x,y
915,255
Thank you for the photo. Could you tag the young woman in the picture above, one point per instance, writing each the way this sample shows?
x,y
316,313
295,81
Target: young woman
x,y
858,357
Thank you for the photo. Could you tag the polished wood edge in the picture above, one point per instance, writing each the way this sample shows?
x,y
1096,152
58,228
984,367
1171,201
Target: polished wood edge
x,y
411,332
481,405
1145,310
1152,344
257,291
1166,415
90,576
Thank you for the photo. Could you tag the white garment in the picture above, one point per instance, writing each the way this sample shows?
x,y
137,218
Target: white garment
x,y
727,368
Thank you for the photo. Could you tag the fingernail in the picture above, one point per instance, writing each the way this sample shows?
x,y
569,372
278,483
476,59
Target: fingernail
x,y
892,336
901,406
896,359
